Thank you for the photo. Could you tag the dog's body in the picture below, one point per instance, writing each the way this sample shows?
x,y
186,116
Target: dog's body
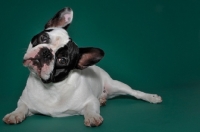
x,y
63,81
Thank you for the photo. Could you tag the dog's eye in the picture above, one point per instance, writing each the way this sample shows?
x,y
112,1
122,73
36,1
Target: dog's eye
x,y
62,60
45,38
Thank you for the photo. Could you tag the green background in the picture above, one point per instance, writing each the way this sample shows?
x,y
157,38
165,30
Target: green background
x,y
152,45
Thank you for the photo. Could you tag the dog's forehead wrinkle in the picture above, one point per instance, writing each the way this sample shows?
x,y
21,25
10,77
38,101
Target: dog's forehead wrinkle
x,y
55,29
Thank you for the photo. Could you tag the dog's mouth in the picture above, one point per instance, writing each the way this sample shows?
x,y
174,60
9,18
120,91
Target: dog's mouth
x,y
41,69
34,65
32,61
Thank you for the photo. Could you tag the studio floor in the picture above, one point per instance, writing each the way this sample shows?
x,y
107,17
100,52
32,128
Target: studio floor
x,y
179,112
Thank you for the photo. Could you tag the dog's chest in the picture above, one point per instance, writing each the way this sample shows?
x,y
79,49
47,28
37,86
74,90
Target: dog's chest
x,y
65,98
54,100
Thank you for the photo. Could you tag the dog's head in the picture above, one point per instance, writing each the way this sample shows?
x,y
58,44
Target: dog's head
x,y
51,54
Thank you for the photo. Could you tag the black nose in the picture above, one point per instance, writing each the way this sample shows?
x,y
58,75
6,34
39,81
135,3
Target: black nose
x,y
46,53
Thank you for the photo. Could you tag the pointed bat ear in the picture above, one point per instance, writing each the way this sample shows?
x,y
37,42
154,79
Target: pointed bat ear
x,y
89,56
62,19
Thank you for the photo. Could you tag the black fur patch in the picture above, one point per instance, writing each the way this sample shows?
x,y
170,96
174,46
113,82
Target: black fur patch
x,y
70,54
41,38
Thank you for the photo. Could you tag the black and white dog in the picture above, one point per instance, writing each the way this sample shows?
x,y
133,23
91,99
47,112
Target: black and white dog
x,y
63,79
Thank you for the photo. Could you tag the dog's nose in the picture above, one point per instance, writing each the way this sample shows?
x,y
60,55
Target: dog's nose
x,y
46,53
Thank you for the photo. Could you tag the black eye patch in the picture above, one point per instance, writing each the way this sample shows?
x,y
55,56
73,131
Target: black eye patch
x,y
41,38
62,57
65,60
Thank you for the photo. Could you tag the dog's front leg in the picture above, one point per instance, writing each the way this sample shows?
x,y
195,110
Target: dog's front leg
x,y
91,114
18,115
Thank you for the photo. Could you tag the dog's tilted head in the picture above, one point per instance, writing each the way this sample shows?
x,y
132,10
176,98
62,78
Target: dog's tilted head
x,y
51,54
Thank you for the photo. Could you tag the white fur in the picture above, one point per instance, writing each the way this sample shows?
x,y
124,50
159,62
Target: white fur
x,y
80,93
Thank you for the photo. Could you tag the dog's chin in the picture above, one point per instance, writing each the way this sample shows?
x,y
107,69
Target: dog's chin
x,y
44,72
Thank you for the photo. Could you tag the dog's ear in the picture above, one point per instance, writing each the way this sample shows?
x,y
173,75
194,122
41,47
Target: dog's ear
x,y
89,56
63,18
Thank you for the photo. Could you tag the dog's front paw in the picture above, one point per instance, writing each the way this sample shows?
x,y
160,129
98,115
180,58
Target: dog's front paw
x,y
154,98
14,118
93,120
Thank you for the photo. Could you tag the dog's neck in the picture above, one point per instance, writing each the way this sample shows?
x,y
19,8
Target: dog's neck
x,y
36,81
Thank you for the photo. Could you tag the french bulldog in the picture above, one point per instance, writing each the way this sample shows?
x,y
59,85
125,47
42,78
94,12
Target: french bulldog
x,y
64,80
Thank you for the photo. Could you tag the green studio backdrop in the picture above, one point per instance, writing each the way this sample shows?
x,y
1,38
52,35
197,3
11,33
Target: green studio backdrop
x,y
152,45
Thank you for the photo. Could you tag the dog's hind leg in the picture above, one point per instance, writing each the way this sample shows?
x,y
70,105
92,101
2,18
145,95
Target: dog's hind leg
x,y
114,88
18,115
103,98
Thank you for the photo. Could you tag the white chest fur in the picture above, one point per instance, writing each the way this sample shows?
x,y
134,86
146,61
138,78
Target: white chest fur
x,y
57,99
